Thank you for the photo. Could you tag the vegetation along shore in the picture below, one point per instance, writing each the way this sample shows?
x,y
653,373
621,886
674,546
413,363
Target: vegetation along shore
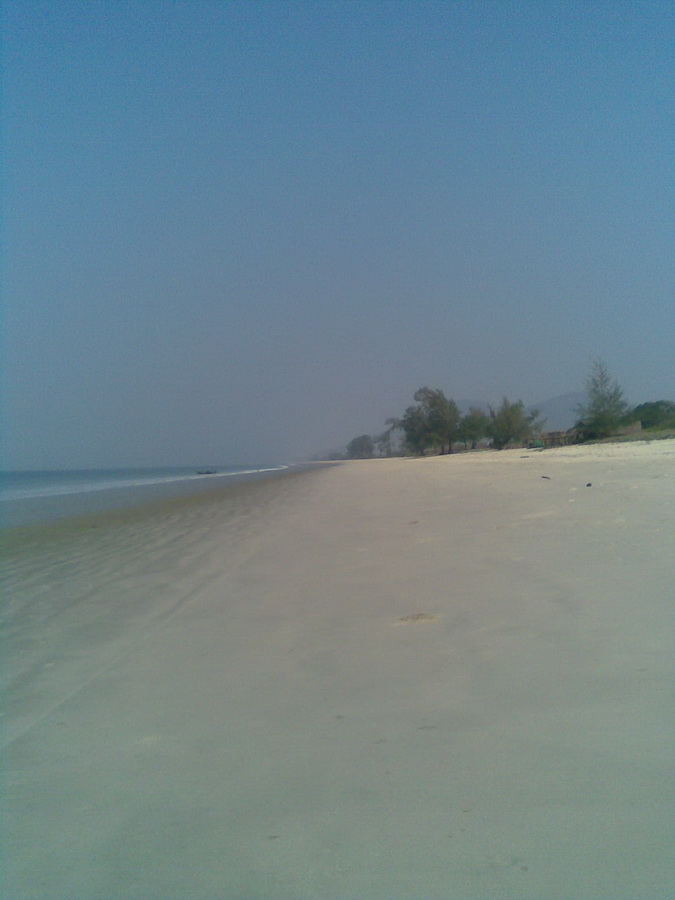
x,y
434,423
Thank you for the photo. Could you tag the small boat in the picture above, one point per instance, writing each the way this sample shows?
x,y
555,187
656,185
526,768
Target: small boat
x,y
206,472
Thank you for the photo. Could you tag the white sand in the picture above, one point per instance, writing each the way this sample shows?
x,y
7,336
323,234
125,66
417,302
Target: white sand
x,y
436,678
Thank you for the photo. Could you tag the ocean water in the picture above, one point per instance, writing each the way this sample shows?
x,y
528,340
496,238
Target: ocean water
x,y
29,497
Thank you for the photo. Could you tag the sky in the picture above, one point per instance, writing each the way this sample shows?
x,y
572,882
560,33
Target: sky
x,y
240,232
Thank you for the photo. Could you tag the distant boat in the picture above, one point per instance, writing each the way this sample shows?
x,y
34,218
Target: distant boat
x,y
206,472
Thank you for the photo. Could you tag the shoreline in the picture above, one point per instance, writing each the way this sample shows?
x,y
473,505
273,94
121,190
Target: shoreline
x,y
17,512
384,679
86,509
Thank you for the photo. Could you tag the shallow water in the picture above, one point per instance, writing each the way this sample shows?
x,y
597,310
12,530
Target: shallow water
x,y
31,497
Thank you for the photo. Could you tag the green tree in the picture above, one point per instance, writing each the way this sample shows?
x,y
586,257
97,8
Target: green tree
x,y
511,423
361,447
442,417
473,426
658,414
417,436
606,407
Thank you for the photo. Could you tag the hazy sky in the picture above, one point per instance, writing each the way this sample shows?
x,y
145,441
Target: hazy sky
x,y
249,231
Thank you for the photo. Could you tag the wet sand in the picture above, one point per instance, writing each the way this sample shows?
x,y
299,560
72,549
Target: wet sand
x,y
432,678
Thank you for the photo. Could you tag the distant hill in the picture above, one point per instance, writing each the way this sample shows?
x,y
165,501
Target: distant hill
x,y
560,412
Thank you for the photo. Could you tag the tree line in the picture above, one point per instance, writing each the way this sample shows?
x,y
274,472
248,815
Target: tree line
x,y
434,424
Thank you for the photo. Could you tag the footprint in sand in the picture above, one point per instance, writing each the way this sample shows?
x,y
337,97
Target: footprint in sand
x,y
416,619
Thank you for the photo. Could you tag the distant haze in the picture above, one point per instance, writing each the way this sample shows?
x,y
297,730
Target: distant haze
x,y
246,232
560,413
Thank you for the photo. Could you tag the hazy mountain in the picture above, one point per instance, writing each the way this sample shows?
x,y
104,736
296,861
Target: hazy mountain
x,y
560,412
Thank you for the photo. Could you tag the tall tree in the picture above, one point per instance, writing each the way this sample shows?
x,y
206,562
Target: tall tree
x,y
602,415
417,433
442,417
511,423
473,426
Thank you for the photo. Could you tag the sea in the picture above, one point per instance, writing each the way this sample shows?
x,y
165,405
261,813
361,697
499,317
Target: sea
x,y
33,497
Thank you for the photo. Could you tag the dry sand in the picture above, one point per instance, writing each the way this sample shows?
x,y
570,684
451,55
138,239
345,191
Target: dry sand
x,y
435,678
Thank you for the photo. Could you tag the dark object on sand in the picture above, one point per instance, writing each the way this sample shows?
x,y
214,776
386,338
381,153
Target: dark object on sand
x,y
547,477
589,484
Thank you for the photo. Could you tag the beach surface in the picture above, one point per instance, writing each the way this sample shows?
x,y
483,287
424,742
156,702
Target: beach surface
x,y
410,678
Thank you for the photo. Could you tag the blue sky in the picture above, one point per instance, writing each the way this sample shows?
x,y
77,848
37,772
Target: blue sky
x,y
249,231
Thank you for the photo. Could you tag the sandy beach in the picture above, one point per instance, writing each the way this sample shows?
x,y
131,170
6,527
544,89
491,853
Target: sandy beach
x,y
410,678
